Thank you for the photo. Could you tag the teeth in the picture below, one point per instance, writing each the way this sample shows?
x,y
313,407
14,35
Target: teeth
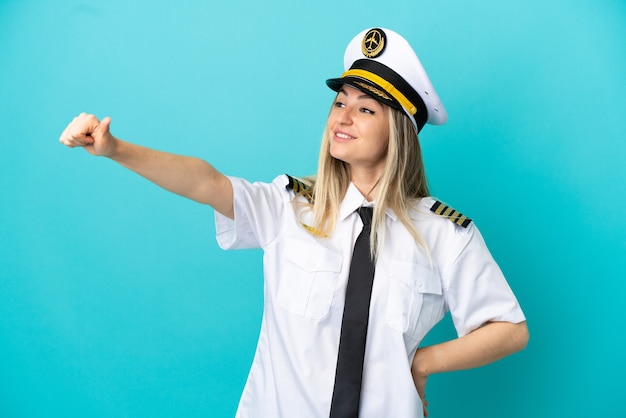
x,y
343,136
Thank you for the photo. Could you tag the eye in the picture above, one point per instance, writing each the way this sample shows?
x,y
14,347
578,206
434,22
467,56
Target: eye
x,y
339,104
366,110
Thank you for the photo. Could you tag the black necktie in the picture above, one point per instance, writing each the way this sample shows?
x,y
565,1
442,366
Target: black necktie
x,y
347,391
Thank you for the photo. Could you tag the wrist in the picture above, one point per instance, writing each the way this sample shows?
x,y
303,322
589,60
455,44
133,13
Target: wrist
x,y
115,149
425,361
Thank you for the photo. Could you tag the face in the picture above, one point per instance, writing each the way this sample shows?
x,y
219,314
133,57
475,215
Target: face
x,y
359,130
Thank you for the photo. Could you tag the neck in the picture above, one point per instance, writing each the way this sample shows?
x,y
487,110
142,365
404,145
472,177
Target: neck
x,y
366,181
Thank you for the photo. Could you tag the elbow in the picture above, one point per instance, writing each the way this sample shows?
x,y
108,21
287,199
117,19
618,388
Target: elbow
x,y
520,336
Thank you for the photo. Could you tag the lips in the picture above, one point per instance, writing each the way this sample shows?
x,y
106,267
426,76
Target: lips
x,y
342,136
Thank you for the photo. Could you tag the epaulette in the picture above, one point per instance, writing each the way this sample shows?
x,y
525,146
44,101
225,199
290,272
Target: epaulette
x,y
447,212
299,187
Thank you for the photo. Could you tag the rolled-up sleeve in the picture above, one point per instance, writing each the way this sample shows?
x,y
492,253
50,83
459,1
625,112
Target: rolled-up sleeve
x,y
476,290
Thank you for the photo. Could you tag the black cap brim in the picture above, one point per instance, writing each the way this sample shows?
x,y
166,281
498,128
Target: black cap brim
x,y
366,86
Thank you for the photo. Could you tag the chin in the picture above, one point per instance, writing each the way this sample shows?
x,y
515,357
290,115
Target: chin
x,y
337,154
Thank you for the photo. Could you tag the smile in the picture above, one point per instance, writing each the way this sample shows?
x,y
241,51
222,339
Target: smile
x,y
341,135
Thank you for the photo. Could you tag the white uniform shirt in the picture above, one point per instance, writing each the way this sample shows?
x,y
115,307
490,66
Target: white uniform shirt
x,y
293,370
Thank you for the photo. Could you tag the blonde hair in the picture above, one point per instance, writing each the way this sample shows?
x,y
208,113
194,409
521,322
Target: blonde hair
x,y
400,187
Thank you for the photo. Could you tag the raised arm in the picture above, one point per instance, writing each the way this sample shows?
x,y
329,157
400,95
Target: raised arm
x,y
187,176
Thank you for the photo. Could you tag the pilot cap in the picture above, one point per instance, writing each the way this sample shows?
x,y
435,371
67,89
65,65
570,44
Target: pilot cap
x,y
382,64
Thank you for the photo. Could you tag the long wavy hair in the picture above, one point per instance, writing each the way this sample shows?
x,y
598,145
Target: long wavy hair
x,y
400,187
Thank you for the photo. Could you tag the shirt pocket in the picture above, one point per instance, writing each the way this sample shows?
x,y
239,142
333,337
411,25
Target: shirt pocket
x,y
308,280
414,300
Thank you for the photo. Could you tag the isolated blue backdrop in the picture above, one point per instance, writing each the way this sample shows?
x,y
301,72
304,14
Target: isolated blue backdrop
x,y
115,300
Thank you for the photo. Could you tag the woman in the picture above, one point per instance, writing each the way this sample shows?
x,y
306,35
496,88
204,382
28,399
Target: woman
x,y
340,335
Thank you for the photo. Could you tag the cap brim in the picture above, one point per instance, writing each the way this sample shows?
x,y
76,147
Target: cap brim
x,y
335,83
366,86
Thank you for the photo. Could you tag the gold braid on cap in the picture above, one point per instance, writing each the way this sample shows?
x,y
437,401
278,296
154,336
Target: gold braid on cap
x,y
373,90
385,85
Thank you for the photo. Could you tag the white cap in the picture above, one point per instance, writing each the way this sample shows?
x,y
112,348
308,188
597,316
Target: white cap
x,y
381,63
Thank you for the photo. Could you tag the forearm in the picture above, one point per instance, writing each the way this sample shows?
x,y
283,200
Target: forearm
x,y
187,176
478,348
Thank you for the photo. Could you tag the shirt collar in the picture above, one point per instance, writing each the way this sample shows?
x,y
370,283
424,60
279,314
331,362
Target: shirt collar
x,y
354,200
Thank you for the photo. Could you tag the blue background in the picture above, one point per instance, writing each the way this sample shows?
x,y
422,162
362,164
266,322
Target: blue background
x,y
115,300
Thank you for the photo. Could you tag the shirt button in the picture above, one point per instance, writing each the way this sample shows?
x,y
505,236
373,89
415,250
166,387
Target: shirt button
x,y
420,284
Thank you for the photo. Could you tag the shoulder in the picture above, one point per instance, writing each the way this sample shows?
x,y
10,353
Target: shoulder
x,y
299,186
258,191
438,208
296,184
447,232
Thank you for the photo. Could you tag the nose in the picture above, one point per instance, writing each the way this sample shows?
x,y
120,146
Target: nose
x,y
345,116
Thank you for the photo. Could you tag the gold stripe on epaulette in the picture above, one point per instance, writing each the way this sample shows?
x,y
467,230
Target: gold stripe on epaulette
x,y
295,184
299,187
447,212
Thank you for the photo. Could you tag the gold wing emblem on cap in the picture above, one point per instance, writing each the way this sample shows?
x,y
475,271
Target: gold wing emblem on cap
x,y
373,43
